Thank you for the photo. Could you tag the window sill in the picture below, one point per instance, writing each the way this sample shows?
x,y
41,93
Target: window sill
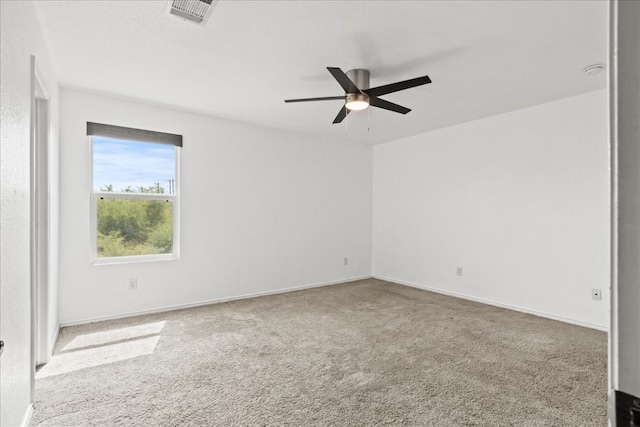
x,y
134,259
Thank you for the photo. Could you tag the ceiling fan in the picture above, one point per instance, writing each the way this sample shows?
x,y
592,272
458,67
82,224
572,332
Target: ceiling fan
x,y
358,95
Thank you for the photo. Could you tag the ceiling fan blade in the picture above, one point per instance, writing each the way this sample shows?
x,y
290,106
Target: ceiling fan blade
x,y
395,87
324,98
341,115
345,82
386,105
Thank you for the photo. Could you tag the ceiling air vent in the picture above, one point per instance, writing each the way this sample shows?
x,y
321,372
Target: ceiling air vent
x,y
193,10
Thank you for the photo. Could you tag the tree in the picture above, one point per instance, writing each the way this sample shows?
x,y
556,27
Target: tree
x,y
134,226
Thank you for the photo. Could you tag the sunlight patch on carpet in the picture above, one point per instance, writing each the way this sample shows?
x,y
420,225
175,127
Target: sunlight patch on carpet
x,y
113,335
101,348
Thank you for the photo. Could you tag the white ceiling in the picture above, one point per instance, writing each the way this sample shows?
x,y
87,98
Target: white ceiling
x,y
484,57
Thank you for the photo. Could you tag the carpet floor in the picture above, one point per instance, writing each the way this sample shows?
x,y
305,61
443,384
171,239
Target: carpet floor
x,y
364,353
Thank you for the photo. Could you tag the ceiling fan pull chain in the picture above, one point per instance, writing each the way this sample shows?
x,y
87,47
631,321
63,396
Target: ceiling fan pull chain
x,y
368,119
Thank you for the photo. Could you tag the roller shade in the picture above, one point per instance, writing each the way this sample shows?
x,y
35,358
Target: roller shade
x,y
131,134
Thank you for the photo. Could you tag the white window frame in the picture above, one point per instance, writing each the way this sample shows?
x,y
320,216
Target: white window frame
x,y
174,198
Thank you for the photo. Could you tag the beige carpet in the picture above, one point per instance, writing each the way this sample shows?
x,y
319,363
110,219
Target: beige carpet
x,y
359,354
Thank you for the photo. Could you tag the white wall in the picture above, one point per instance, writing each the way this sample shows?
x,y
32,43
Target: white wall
x,y
261,210
519,200
21,38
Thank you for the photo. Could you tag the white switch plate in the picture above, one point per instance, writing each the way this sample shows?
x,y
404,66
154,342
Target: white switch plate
x,y
596,294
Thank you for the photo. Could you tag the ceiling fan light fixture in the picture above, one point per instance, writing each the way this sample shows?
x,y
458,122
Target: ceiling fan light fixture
x,y
357,101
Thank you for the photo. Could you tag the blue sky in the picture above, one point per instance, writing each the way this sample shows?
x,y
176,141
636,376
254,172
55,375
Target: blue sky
x,y
122,163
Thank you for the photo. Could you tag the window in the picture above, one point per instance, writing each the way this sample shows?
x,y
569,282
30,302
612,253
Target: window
x,y
134,202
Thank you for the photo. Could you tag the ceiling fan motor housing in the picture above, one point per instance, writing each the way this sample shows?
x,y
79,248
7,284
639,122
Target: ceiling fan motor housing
x,y
360,78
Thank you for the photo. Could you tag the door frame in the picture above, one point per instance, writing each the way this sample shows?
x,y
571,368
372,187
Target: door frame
x,y
39,221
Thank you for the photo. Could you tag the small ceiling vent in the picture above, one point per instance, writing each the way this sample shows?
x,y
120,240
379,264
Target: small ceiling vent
x,y
192,10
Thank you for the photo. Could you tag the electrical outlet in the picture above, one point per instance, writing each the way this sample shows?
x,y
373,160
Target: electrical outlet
x,y
596,294
459,271
346,260
133,283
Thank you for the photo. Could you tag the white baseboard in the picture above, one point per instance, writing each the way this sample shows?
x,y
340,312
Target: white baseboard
x,y
611,407
496,304
27,417
54,340
208,302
